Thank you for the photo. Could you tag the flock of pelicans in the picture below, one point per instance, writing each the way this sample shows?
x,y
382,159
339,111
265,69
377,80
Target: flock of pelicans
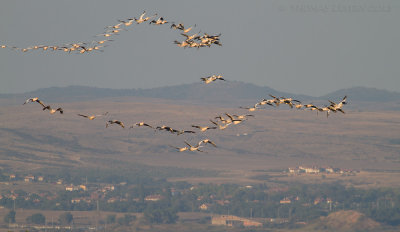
x,y
220,122
191,41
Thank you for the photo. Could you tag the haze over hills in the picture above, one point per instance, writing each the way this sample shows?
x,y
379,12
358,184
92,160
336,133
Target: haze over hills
x,y
228,93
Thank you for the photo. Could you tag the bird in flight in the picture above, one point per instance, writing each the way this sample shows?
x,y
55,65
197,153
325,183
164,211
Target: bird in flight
x,y
52,111
91,117
221,127
212,78
202,129
34,99
193,148
142,19
115,122
205,141
159,21
141,124
180,149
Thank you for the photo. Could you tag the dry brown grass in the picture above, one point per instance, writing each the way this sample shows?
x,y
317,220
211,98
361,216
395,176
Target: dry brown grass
x,y
276,139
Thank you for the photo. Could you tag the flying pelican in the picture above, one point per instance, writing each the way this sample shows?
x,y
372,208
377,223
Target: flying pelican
x,y
115,122
218,77
182,44
179,132
243,116
142,19
212,78
298,106
127,22
327,109
338,107
52,111
190,37
288,101
142,124
117,26
34,99
177,26
205,141
180,149
114,31
222,119
106,34
276,100
185,31
91,117
159,21
234,121
44,47
202,129
193,148
309,106
312,107
221,127
166,128
207,80
251,109
103,41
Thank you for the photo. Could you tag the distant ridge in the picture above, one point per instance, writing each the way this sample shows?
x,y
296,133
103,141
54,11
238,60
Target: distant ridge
x,y
228,93
364,94
217,92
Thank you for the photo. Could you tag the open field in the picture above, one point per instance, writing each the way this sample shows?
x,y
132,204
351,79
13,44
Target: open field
x,y
275,139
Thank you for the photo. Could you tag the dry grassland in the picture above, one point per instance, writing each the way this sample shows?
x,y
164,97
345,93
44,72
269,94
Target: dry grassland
x,y
274,139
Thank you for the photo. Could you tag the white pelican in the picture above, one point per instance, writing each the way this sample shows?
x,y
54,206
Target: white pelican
x,y
205,141
117,26
251,109
182,44
127,22
159,21
166,128
243,116
180,149
178,26
179,132
221,127
34,99
222,119
91,117
193,148
141,124
338,107
115,122
233,120
52,111
142,18
202,129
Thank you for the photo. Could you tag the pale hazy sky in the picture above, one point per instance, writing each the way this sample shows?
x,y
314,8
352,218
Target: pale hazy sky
x,y
300,46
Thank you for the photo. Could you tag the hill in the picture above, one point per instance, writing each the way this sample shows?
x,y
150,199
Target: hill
x,y
230,93
365,94
348,221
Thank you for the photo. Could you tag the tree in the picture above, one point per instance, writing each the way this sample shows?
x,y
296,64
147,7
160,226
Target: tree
x,y
153,216
10,217
160,215
36,218
110,219
65,218
124,221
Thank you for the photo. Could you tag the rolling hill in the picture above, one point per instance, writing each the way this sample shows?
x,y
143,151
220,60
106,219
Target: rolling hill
x,y
230,93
